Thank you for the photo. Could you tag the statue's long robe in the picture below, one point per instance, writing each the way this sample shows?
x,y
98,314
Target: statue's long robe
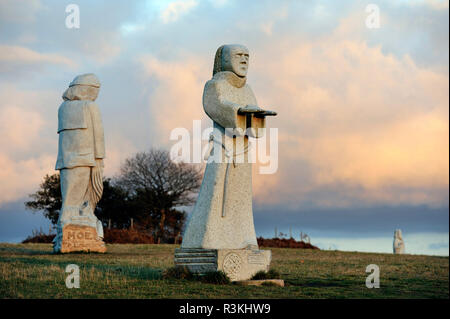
x,y
224,219
81,143
81,146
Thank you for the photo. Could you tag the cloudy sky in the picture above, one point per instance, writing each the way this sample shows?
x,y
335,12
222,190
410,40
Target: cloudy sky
x,y
363,112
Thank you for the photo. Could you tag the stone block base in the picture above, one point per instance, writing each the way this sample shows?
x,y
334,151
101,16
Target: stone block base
x,y
77,238
238,264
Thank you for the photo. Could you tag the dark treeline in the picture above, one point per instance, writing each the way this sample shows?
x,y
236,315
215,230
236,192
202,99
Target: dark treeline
x,y
150,189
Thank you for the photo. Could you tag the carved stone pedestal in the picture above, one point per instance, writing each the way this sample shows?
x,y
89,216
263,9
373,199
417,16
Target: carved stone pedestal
x,y
238,264
77,238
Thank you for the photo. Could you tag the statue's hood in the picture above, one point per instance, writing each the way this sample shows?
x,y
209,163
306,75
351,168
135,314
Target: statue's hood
x,y
74,93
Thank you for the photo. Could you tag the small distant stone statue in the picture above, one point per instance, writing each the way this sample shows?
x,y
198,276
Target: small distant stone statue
x,y
221,234
81,151
399,245
305,238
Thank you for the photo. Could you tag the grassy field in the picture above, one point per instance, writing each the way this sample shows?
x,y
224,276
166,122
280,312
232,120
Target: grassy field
x,y
134,271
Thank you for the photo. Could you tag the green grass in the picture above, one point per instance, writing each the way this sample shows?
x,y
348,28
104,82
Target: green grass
x,y
135,271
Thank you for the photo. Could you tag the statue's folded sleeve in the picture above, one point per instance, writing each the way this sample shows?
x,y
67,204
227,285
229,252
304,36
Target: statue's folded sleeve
x,y
219,109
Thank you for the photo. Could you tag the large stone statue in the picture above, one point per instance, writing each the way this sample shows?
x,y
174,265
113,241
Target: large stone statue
x,y
81,150
221,234
399,245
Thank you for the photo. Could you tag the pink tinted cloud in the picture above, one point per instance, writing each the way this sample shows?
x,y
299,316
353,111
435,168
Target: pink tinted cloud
x,y
22,177
25,155
354,115
176,100
357,117
12,57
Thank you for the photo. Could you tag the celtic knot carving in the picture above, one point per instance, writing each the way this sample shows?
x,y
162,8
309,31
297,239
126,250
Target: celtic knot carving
x,y
231,265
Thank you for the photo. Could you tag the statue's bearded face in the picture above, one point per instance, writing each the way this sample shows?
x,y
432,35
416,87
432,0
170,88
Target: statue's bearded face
x,y
235,59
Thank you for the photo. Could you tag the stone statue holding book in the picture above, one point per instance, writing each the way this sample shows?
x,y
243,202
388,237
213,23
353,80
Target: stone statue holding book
x,y
220,234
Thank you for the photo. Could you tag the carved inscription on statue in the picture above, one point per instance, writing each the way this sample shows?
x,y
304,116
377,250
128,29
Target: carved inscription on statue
x,y
81,238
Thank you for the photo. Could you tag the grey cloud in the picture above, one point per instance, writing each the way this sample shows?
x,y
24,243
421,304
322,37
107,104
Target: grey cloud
x,y
418,30
353,221
16,223
438,245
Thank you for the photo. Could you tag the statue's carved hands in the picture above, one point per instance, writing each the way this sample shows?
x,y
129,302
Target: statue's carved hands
x,y
250,109
266,113
256,110
99,162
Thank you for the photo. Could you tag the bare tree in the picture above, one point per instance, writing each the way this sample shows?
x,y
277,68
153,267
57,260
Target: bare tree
x,y
162,183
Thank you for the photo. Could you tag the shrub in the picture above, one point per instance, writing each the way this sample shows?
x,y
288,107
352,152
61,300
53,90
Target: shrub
x,y
182,272
284,243
39,237
127,236
268,283
271,274
215,277
178,273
